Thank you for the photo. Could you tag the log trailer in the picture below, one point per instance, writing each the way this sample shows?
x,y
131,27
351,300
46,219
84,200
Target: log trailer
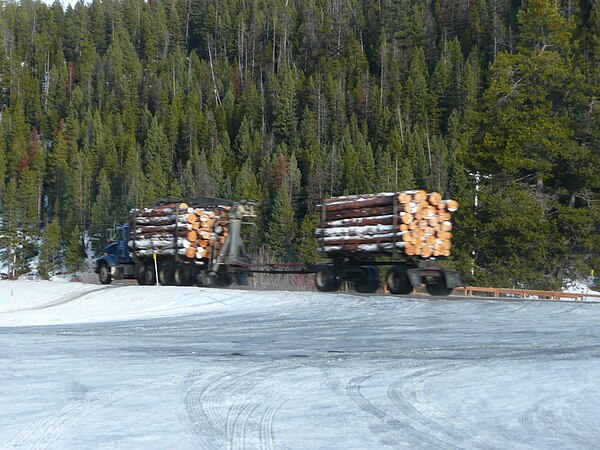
x,y
358,234
405,231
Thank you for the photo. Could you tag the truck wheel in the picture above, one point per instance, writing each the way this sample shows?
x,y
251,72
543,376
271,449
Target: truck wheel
x,y
139,275
327,279
368,281
205,279
224,280
182,276
104,274
166,275
438,287
148,275
397,280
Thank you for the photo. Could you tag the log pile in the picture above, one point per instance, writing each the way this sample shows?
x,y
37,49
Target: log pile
x,y
189,231
413,223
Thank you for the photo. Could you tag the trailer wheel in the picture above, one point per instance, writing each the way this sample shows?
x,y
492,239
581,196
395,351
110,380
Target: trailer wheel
x,y
104,273
368,282
327,279
438,287
397,280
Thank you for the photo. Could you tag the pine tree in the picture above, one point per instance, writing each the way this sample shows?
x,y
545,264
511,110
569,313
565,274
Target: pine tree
x,y
74,251
400,162
10,238
102,213
27,198
307,243
284,108
49,252
280,237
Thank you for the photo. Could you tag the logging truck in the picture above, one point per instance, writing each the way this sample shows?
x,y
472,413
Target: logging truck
x,y
181,242
198,241
405,231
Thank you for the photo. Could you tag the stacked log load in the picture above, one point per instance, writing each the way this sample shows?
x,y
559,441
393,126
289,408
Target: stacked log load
x,y
190,231
414,223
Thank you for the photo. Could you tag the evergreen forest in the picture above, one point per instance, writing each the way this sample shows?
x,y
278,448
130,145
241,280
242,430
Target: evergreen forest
x,y
111,104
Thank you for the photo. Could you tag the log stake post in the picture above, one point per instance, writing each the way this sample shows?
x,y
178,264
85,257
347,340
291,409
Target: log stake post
x,y
322,224
156,265
132,233
395,223
175,232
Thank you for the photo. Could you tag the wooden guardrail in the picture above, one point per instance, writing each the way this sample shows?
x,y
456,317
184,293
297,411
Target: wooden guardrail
x,y
469,291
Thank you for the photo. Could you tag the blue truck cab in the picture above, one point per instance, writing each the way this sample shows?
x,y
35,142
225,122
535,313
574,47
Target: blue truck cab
x,y
115,255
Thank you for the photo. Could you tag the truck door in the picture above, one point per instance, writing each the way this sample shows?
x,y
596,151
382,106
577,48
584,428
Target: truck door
x,y
122,248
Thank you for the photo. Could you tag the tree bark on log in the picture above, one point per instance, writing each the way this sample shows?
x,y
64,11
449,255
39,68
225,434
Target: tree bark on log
x,y
340,240
367,230
146,253
159,243
362,248
162,220
168,235
149,229
155,212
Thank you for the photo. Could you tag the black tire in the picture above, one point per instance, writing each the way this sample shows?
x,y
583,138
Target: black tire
x,y
140,275
368,282
397,280
327,279
166,275
438,288
148,275
223,280
203,279
104,273
182,276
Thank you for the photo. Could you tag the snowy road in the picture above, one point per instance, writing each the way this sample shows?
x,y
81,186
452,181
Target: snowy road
x,y
198,368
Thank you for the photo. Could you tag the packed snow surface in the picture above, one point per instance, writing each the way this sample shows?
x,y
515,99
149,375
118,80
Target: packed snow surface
x,y
96,367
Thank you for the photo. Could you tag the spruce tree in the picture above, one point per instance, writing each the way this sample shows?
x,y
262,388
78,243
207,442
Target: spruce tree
x,y
74,251
50,249
10,237
284,107
102,213
307,243
280,235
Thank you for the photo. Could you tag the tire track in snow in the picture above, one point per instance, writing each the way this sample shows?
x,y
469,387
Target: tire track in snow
x,y
266,432
353,389
204,400
554,417
265,402
532,420
62,300
230,410
406,408
413,389
203,427
42,433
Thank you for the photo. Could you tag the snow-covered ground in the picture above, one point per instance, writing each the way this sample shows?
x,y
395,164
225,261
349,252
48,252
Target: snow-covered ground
x,y
89,366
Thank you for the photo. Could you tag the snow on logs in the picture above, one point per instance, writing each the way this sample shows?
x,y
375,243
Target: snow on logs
x,y
190,231
416,223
